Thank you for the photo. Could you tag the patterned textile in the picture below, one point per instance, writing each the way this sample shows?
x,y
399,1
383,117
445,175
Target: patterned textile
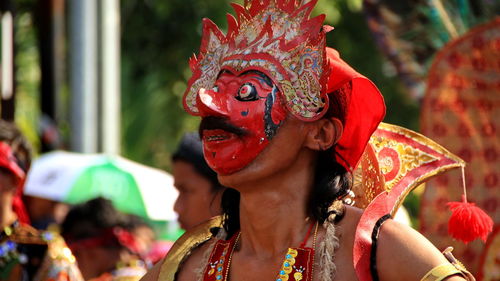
x,y
461,110
24,244
59,263
404,159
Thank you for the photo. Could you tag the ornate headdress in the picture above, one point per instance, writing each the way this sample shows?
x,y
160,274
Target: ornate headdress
x,y
276,37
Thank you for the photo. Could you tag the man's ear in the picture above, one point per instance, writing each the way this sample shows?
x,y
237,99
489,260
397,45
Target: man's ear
x,y
324,133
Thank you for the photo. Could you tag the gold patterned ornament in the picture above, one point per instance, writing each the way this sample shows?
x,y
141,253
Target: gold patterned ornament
x,y
405,159
212,267
392,158
298,273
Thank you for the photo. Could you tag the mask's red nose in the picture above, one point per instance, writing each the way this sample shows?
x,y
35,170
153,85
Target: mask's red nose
x,y
211,103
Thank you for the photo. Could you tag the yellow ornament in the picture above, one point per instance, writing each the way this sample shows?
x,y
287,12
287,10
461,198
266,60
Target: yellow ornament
x,y
297,276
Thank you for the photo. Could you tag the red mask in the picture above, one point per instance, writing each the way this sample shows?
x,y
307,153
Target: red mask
x,y
241,114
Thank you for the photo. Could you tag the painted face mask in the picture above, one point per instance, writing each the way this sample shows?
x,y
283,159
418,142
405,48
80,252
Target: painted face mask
x,y
241,114
269,63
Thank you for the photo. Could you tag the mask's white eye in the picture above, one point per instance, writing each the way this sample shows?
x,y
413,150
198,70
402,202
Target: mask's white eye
x,y
215,89
247,92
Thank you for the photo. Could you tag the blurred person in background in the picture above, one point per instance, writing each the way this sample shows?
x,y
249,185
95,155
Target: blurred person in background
x,y
101,240
150,249
199,189
144,234
22,248
45,213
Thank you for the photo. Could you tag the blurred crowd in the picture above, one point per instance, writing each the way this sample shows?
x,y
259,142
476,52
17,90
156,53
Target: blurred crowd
x,y
47,239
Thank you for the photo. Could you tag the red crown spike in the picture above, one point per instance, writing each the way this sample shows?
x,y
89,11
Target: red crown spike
x,y
314,25
241,12
257,6
209,31
232,26
266,30
304,10
311,28
288,6
193,61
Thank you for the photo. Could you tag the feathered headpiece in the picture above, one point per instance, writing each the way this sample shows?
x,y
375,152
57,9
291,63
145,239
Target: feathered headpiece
x,y
276,37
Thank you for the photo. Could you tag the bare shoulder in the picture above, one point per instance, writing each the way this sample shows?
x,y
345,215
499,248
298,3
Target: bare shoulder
x,y
405,254
347,226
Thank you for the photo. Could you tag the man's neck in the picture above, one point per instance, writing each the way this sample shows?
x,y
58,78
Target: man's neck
x,y
273,211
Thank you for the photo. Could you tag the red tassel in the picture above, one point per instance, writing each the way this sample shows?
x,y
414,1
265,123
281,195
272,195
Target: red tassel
x,y
468,222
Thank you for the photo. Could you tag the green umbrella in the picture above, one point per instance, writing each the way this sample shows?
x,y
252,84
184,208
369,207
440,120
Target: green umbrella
x,y
74,178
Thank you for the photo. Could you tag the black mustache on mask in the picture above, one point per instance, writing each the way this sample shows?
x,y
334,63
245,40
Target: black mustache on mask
x,y
219,123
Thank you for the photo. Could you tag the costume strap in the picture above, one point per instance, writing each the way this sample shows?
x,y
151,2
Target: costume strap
x,y
443,271
304,242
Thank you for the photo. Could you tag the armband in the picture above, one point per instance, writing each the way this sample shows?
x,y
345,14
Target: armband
x,y
443,271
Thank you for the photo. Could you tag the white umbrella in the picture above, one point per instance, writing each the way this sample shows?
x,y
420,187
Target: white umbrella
x,y
132,187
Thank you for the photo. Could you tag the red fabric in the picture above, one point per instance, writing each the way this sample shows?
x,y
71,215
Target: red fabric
x,y
8,162
365,110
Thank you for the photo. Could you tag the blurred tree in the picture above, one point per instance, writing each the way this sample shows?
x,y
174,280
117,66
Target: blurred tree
x,y
27,70
158,37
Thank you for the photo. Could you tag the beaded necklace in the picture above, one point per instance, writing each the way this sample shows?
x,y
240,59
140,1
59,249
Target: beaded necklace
x,y
297,265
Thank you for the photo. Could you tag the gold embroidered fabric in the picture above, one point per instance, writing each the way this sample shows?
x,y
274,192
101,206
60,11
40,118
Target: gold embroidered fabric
x,y
183,247
397,158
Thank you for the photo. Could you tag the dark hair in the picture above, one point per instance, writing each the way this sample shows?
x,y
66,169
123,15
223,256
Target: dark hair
x,y
91,219
190,150
10,134
134,222
331,180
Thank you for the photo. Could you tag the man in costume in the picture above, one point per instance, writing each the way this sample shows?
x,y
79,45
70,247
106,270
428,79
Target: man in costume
x,y
198,186
284,124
